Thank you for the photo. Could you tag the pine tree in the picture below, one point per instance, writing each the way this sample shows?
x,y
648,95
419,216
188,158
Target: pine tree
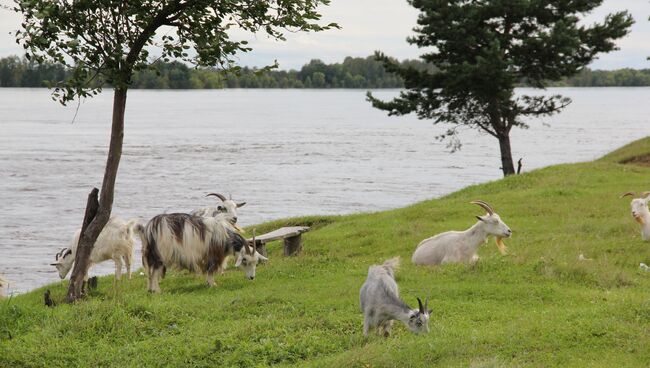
x,y
481,49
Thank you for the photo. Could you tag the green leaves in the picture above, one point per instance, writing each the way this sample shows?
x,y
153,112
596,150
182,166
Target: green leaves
x,y
107,40
482,49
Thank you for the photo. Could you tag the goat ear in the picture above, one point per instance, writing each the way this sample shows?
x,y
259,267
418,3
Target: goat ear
x,y
480,218
242,204
429,311
261,257
238,263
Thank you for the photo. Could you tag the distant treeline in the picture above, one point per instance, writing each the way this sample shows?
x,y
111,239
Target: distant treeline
x,y
351,73
608,78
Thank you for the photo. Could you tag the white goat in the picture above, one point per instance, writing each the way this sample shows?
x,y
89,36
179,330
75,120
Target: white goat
x,y
640,212
4,285
114,242
461,246
228,208
193,243
381,304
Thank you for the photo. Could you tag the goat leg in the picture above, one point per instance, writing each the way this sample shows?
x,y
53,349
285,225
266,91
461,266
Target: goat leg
x,y
210,278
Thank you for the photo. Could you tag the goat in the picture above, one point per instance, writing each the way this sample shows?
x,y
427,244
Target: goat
x,y
193,243
461,246
114,242
4,285
381,304
640,212
228,208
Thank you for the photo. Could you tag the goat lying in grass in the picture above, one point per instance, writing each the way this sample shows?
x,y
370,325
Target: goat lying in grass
x,y
194,243
461,246
114,242
380,302
227,209
639,206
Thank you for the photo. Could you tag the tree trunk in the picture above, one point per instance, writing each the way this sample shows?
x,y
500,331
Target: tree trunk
x,y
84,247
507,165
98,212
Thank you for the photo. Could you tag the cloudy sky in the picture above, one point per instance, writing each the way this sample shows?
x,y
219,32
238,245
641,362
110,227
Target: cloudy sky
x,y
369,25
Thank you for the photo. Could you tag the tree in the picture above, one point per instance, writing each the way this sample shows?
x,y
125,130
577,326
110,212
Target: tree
x,y
318,80
108,40
482,49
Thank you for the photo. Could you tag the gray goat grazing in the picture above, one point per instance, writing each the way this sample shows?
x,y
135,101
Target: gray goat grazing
x,y
381,304
194,243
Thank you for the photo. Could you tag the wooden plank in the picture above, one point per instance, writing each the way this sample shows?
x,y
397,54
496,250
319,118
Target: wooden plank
x,y
281,233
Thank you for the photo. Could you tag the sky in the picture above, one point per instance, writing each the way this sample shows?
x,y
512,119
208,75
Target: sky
x,y
369,25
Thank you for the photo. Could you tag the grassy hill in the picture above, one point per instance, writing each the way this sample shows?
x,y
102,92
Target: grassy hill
x,y
536,306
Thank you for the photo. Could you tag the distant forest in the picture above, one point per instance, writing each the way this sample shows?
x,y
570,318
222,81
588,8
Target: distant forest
x,y
364,73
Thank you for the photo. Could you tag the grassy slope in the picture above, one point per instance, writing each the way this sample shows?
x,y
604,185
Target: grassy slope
x,y
537,306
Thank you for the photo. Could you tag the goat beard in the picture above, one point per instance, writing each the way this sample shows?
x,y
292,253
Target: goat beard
x,y
640,219
501,245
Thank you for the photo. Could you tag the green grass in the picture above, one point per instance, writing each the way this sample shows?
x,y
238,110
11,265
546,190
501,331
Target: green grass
x,y
536,306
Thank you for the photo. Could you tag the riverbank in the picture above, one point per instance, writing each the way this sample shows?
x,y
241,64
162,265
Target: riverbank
x,y
537,306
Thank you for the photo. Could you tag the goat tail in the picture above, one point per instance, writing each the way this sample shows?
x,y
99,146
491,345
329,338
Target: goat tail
x,y
392,264
136,228
132,227
140,230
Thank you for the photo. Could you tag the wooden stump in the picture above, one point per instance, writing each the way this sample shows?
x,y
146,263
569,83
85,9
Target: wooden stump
x,y
84,248
292,245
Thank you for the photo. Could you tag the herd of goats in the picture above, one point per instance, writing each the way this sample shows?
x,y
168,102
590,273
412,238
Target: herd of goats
x,y
203,241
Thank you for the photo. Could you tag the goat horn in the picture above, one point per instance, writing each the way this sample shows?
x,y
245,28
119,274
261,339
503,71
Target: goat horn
x,y
426,304
628,194
248,249
220,196
254,243
483,205
420,305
